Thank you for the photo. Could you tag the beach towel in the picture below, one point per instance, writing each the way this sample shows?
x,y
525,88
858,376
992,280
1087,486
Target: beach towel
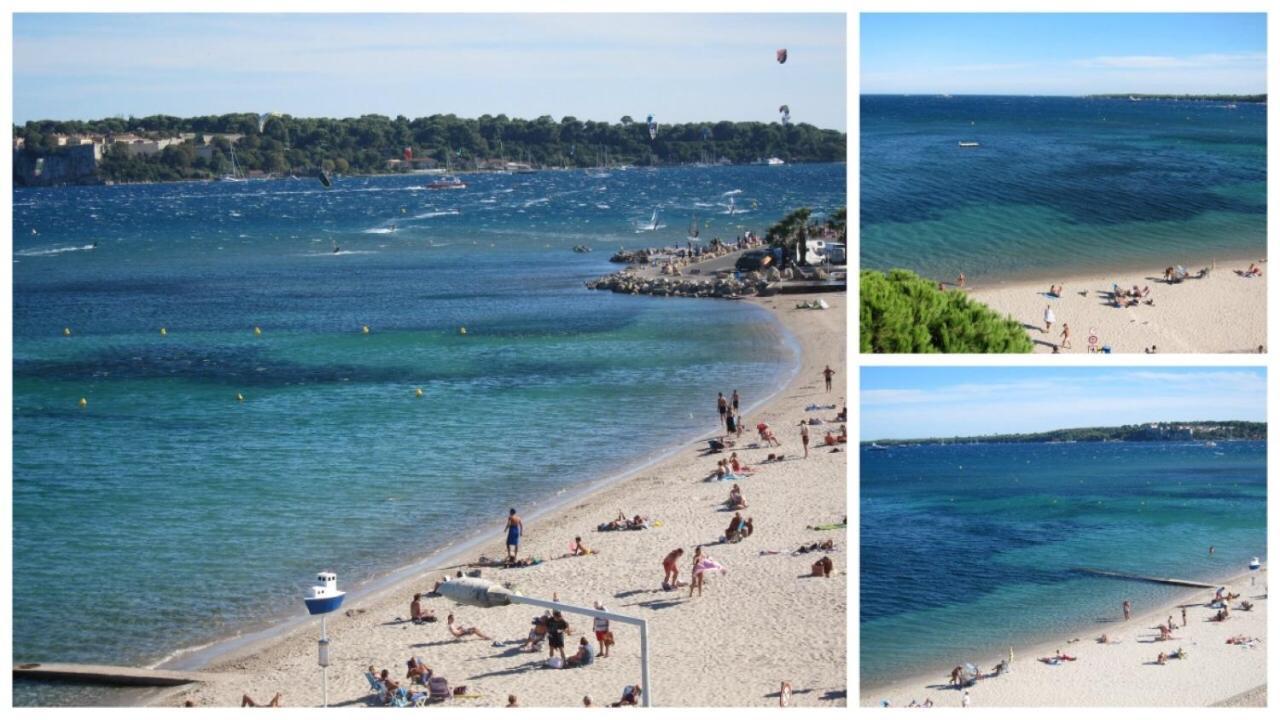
x,y
706,565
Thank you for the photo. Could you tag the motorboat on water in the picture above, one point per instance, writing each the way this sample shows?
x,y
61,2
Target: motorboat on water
x,y
969,143
1254,563
877,447
775,161
448,182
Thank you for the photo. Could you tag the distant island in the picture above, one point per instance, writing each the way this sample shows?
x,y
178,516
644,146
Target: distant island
x,y
1208,98
1199,431
164,148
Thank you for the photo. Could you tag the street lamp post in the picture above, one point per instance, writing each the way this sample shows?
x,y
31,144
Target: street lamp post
x,y
484,593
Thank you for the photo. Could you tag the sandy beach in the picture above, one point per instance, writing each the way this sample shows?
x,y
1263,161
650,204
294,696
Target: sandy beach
x,y
1223,312
764,622
1123,672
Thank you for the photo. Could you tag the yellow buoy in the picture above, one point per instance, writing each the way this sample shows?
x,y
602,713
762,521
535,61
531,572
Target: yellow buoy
x,y
364,329
257,330
239,397
163,331
84,402
462,330
418,392
66,331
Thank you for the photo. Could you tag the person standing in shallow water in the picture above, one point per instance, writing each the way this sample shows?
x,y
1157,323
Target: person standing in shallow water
x,y
722,406
515,528
733,401
1128,609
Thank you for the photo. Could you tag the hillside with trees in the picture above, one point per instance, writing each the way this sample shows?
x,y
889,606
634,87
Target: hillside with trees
x,y
364,145
1197,430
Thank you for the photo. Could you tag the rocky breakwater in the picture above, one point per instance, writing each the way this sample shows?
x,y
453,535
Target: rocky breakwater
x,y
629,282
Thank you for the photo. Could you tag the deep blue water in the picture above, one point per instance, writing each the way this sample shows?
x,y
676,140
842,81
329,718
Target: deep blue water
x,y
1058,184
174,514
969,549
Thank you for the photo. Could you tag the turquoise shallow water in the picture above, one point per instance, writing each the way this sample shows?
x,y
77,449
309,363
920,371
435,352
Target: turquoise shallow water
x,y
1058,185
179,514
969,549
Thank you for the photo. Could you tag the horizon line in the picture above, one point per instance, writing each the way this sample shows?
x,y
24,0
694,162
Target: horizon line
x,y
1065,429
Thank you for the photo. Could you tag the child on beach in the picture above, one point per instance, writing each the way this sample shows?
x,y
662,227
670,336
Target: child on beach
x,y
670,571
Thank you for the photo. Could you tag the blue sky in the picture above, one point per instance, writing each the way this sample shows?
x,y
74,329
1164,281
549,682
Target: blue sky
x,y
1063,54
919,402
598,67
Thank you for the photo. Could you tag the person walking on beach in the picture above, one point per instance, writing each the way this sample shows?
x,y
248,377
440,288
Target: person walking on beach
x,y
827,374
556,627
604,636
1048,317
804,437
722,406
1184,616
670,571
1128,609
515,528
1066,335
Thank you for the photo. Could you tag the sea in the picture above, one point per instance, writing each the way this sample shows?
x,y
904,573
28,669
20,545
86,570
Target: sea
x,y
1059,185
216,385
968,550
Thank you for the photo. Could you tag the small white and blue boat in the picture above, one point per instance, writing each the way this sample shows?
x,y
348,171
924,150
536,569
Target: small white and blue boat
x,y
1255,563
325,597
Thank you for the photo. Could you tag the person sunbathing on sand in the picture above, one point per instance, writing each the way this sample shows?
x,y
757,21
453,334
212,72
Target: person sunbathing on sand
x,y
630,695
418,671
246,701
736,501
1160,659
461,632
578,548
766,435
417,614
736,530
823,567
1253,271
738,467
586,655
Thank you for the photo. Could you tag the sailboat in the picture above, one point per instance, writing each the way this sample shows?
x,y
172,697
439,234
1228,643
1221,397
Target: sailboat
x,y
235,175
653,221
449,181
603,170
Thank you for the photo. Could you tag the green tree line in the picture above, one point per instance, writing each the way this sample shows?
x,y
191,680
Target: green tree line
x,y
1202,430
362,145
901,312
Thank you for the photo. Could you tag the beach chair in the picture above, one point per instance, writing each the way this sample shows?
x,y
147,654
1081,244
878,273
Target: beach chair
x,y
438,688
379,690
